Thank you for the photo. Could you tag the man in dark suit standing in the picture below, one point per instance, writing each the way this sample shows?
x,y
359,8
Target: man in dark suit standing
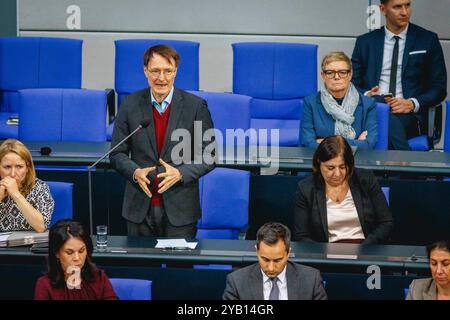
x,y
161,195
274,278
403,65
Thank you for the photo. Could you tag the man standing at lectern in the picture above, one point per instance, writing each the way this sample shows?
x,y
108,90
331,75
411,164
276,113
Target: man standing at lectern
x,y
403,65
161,195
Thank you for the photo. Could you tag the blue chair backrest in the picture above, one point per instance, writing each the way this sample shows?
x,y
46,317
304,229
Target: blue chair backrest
x,y
224,199
278,76
406,291
132,289
447,127
383,111
129,66
62,195
386,191
34,62
62,115
228,111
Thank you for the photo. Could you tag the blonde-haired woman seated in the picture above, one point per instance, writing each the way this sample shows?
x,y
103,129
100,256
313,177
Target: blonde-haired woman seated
x,y
25,201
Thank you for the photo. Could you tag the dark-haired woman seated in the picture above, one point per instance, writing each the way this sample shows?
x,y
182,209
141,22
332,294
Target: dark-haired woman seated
x,y
71,273
438,286
339,203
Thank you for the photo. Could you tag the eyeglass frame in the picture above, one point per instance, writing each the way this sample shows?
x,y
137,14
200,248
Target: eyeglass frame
x,y
167,73
334,73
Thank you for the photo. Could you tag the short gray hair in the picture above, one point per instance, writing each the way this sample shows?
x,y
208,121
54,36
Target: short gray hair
x,y
336,56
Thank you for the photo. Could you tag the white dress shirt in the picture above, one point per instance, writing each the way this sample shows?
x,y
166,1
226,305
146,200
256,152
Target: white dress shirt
x,y
282,285
389,42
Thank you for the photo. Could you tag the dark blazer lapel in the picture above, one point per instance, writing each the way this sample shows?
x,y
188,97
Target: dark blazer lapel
x,y
293,285
321,204
256,282
379,50
176,111
147,112
409,45
357,199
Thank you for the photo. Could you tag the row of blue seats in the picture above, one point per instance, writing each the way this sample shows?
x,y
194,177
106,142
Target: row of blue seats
x,y
80,115
277,76
224,214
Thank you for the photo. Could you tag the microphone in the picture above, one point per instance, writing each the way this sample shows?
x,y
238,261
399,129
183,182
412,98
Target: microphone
x,y
44,151
142,125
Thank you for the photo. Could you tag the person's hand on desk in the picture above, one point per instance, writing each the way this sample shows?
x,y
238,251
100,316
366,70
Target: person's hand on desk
x,y
400,105
169,178
141,177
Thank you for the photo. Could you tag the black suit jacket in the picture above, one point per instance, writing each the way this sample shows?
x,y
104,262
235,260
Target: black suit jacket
x,y
303,283
181,201
311,211
424,75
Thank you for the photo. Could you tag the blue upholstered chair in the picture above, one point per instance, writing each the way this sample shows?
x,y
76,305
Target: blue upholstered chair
x,y
62,115
35,62
62,195
132,289
447,127
224,198
129,67
228,111
425,142
383,111
278,76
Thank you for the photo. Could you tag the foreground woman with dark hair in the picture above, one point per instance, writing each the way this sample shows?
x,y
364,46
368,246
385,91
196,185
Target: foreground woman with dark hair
x,y
438,286
71,273
339,203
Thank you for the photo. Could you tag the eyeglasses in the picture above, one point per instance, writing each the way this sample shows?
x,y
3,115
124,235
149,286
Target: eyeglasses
x,y
167,73
330,74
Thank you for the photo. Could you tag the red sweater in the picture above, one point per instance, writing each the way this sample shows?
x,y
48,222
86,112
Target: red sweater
x,y
161,122
99,289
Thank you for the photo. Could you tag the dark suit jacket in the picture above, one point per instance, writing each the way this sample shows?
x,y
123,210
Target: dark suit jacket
x,y
424,75
181,201
316,122
303,283
311,210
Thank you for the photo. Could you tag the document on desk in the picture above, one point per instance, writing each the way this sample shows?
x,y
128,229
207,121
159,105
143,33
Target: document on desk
x,y
175,244
4,236
22,238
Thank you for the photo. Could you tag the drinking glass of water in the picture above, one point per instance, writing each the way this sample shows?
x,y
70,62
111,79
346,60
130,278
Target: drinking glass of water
x,y
102,237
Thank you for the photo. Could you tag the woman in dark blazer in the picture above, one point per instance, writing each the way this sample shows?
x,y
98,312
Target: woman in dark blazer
x,y
339,203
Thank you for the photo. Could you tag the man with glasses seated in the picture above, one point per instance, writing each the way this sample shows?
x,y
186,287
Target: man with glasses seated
x,y
161,196
338,108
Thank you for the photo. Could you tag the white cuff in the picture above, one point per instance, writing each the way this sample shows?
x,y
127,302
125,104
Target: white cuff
x,y
416,104
134,175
